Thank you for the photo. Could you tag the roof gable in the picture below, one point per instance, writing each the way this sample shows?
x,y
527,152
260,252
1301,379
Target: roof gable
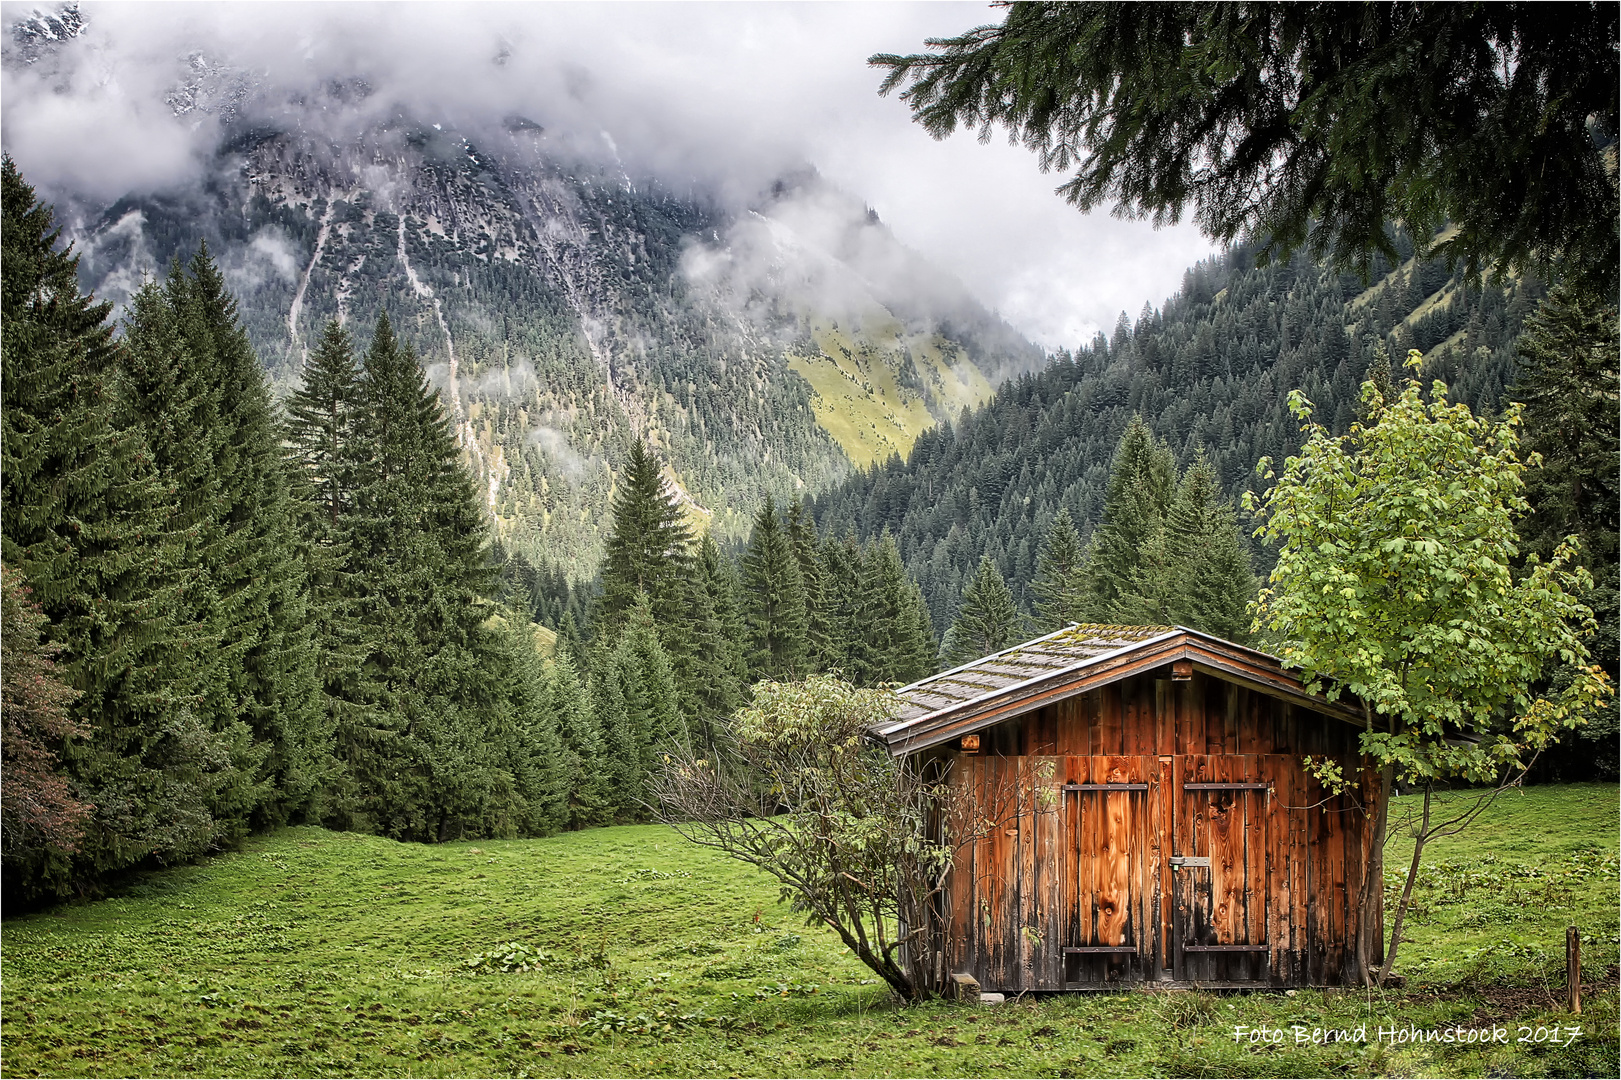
x,y
1073,661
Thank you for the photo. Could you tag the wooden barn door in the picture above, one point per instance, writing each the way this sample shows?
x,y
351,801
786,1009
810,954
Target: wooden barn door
x,y
1109,828
1219,871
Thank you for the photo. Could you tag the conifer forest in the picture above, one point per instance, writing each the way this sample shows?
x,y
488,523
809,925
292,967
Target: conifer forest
x,y
442,479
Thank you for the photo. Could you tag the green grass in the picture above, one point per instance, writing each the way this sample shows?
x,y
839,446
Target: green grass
x,y
317,953
858,398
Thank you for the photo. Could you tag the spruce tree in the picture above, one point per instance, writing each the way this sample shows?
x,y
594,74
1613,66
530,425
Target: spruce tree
x,y
820,633
641,714
988,620
915,659
1214,579
648,548
257,577
172,391
1142,483
321,416
1059,586
774,600
590,798
538,765
87,522
1567,383
895,640
421,579
710,668
1156,590
845,580
621,716
570,642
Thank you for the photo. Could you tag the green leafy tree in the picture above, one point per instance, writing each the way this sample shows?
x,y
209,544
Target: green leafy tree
x,y
1308,124
1395,584
854,849
1059,587
988,620
774,599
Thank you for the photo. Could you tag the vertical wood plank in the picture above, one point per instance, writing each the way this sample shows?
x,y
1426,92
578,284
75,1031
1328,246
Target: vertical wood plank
x,y
1106,733
1257,873
1052,847
999,889
1229,722
1074,769
1165,830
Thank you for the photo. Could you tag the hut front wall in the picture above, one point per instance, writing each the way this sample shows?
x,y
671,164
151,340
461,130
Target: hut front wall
x,y
1156,830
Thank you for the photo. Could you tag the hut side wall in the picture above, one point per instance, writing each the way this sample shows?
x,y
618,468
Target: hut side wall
x,y
1083,806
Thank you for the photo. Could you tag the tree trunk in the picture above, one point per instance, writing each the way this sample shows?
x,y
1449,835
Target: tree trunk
x,y
1407,890
1370,942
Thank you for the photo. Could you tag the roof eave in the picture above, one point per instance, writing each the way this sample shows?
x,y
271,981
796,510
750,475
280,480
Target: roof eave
x,y
1212,655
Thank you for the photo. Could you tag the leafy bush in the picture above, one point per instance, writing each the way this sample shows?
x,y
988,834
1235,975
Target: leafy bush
x,y
513,956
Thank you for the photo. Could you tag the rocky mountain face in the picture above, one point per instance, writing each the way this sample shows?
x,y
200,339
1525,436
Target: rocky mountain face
x,y
564,306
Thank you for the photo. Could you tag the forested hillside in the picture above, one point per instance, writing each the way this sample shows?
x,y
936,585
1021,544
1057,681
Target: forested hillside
x,y
1209,373
222,617
566,308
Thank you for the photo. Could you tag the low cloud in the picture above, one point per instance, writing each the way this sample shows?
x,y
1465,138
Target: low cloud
x,y
717,100
815,250
118,260
511,383
270,254
554,444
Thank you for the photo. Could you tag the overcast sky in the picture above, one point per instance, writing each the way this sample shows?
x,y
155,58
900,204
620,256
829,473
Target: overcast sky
x,y
729,93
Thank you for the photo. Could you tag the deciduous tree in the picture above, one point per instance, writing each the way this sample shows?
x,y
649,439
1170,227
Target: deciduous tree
x,y
798,790
1395,584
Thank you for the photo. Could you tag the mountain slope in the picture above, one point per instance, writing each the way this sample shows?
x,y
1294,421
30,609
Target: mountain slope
x,y
566,308
1210,372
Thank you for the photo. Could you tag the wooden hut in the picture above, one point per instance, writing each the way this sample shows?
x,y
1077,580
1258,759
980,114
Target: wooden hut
x,y
1132,805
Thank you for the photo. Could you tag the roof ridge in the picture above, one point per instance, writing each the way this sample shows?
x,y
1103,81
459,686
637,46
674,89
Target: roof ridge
x,y
1123,642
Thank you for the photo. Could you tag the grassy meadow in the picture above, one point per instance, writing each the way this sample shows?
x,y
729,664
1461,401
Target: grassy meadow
x,y
627,951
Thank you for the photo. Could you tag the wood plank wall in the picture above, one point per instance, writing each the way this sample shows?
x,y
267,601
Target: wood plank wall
x,y
1090,871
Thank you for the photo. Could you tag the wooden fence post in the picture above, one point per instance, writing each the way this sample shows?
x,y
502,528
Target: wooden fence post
x,y
1573,969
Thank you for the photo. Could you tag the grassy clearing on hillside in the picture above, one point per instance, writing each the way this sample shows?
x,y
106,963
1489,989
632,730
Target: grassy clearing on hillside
x,y
858,397
327,954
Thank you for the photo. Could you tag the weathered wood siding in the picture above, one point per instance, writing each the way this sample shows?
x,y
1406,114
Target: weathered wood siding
x,y
1158,830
